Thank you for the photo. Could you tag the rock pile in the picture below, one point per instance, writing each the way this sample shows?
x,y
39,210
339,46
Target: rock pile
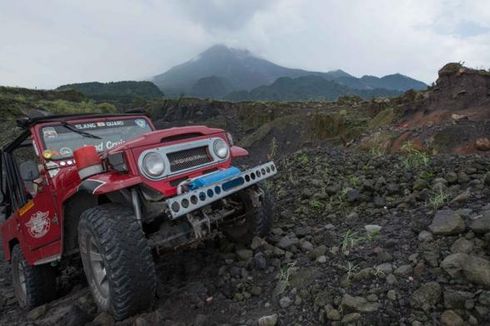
x,y
358,239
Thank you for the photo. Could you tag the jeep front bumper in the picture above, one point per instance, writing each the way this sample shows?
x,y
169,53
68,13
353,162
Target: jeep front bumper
x,y
195,199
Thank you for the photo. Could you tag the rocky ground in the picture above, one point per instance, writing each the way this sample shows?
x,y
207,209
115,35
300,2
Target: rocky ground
x,y
358,239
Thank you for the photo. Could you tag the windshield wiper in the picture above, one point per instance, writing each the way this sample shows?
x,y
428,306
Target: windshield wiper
x,y
82,133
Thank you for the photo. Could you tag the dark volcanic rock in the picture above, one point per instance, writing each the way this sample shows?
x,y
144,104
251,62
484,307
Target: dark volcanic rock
x,y
451,318
475,269
328,259
360,304
427,296
482,224
447,222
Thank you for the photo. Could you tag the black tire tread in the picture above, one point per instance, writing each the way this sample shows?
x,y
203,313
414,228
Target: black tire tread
x,y
258,219
40,281
127,257
263,217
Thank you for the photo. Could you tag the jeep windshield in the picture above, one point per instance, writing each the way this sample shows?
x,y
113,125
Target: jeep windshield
x,y
64,138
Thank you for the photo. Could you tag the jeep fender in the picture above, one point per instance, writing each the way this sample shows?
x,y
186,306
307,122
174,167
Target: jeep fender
x,y
237,151
104,183
89,193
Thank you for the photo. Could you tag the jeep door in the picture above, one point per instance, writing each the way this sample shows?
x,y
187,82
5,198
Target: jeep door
x,y
37,218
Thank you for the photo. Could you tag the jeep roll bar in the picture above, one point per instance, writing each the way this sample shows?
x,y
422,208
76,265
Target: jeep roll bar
x,y
14,196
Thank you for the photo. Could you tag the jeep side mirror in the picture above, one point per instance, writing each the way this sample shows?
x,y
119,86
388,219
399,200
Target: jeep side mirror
x,y
29,171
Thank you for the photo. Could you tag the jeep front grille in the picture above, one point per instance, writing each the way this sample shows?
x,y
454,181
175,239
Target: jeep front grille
x,y
188,158
183,157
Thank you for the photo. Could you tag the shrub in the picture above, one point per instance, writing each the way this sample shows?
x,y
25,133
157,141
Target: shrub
x,y
414,157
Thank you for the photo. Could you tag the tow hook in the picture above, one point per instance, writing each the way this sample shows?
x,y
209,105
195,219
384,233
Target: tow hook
x,y
257,195
201,226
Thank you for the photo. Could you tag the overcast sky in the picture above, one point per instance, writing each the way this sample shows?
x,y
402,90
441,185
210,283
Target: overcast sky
x,y
51,42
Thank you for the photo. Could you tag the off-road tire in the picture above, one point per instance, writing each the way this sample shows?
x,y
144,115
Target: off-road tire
x,y
125,256
256,221
40,281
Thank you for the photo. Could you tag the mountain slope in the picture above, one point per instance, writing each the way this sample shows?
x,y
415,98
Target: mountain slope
x,y
244,72
394,81
212,87
18,102
115,90
306,88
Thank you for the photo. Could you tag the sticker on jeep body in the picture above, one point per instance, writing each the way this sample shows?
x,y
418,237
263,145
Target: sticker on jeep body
x,y
38,225
100,124
24,209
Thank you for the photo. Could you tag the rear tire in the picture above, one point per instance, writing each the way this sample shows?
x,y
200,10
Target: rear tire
x,y
257,216
33,285
117,260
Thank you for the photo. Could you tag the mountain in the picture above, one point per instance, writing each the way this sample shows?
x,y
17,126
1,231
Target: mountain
x,y
396,81
239,71
306,88
212,87
243,70
116,91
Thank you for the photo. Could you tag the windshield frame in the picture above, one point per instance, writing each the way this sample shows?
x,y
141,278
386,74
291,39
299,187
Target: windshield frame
x,y
39,127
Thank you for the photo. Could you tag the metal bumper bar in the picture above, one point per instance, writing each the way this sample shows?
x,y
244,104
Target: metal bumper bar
x,y
192,200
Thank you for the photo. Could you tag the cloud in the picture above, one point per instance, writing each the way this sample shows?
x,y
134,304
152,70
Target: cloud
x,y
223,14
368,37
48,43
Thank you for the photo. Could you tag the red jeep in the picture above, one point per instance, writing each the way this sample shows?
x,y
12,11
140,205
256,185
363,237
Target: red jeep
x,y
111,188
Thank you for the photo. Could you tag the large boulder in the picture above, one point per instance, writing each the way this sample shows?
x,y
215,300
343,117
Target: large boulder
x,y
477,270
360,304
270,320
483,144
451,318
453,264
447,222
484,298
426,296
287,241
456,299
482,224
462,245
244,254
474,269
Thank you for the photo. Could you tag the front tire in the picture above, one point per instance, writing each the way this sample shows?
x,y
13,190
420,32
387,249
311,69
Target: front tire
x,y
117,260
256,219
33,285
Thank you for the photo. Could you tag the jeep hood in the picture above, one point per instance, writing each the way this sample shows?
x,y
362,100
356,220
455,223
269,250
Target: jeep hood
x,y
166,135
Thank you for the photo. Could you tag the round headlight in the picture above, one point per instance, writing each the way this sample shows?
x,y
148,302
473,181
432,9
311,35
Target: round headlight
x,y
220,148
153,164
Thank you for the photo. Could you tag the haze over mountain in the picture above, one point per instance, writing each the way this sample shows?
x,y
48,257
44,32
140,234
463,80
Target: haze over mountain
x,y
229,69
307,88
